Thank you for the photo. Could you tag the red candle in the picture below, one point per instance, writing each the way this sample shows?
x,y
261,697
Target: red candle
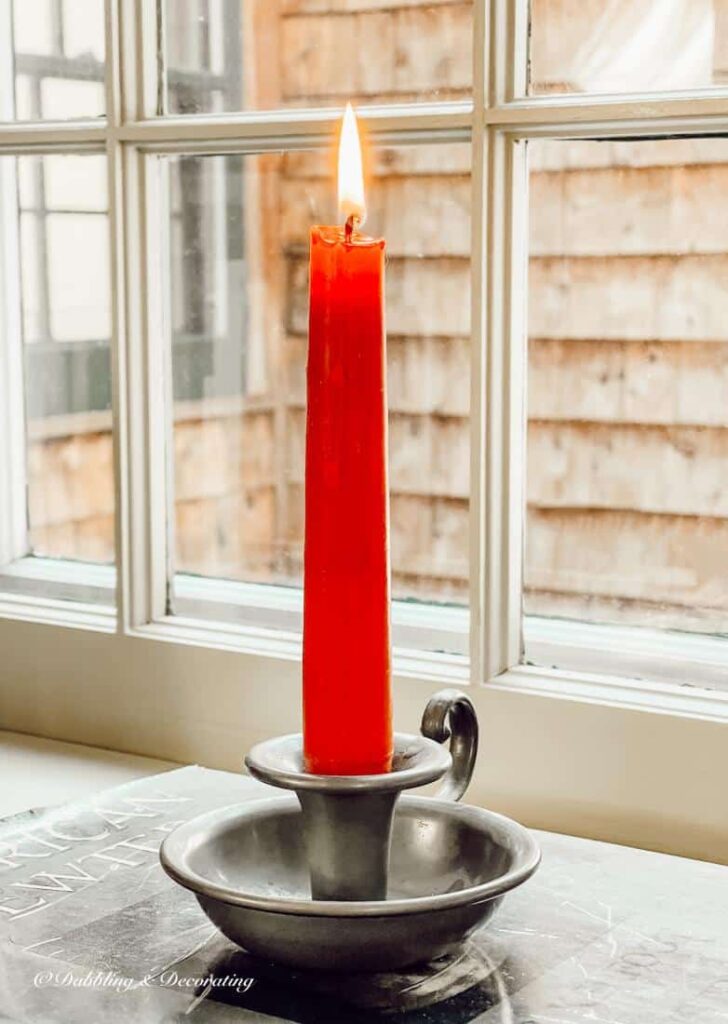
x,y
347,707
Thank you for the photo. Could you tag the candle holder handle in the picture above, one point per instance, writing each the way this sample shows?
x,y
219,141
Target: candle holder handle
x,y
450,715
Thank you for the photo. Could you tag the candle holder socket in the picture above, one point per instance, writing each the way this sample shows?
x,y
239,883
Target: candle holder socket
x,y
347,819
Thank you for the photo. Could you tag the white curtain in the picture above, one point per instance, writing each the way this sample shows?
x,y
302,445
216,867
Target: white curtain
x,y
647,44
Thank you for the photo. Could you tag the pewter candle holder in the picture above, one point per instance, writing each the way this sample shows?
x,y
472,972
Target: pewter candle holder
x,y
352,873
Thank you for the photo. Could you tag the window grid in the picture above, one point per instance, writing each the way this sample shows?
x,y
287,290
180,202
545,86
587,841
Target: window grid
x,y
497,124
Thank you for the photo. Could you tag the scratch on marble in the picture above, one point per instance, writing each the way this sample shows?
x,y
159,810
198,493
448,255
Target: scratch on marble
x,y
587,987
649,938
48,952
180,960
151,870
526,931
43,942
604,920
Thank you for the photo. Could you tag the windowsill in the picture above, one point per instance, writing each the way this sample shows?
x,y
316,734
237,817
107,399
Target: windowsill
x,y
628,667
558,752
40,772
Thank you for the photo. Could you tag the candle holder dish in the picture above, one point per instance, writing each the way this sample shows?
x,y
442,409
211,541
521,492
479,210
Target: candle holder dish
x,y
351,875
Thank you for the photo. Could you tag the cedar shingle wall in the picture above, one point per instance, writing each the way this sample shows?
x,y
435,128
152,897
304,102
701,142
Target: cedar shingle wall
x,y
628,388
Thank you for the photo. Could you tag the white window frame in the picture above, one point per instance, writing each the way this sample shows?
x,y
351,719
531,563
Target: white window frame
x,y
182,651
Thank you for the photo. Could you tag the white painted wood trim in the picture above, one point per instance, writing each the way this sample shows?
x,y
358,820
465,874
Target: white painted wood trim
x,y
47,611
56,570
140,52
517,52
644,111
52,136
685,701
699,112
147,387
479,628
664,113
504,414
117,266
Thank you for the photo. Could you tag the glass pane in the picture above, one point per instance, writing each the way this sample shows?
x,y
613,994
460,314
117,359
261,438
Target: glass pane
x,y
617,46
628,388
55,67
239,296
254,54
60,227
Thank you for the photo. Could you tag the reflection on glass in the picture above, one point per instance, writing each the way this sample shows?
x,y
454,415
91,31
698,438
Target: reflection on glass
x,y
239,282
55,68
628,383
61,230
254,54
618,46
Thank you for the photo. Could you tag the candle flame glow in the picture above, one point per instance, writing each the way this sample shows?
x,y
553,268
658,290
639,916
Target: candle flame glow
x,y
351,176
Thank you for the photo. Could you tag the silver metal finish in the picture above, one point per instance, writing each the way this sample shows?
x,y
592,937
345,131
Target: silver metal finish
x,y
416,761
450,867
451,715
347,819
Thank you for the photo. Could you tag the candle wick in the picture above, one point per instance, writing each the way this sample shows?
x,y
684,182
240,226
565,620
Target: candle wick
x,y
349,227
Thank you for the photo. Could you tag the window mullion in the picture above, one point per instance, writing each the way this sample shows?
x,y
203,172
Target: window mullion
x,y
517,52
47,136
292,128
479,232
139,25
508,71
115,179
499,378
503,390
137,369
142,399
577,116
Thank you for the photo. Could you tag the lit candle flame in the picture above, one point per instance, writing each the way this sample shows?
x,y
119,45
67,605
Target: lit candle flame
x,y
351,176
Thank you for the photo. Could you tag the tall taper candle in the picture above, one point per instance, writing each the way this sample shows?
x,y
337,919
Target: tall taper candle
x,y
347,707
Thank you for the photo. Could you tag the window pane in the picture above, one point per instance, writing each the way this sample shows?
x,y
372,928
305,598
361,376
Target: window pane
x,y
254,54
62,237
55,69
628,395
615,46
239,296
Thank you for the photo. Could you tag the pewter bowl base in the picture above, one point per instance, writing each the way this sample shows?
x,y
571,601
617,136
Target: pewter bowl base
x,y
450,867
